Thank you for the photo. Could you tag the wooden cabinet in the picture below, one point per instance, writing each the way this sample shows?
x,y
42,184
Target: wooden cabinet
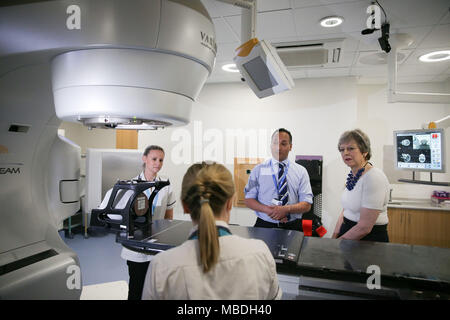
x,y
419,226
242,169
126,139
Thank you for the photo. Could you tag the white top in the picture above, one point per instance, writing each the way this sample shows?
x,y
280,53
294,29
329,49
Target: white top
x,y
164,200
245,270
371,192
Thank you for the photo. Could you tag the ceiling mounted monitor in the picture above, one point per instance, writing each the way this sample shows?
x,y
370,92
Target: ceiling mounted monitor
x,y
262,68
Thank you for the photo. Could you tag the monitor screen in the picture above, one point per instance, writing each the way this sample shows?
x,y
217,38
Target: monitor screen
x,y
260,74
420,150
262,69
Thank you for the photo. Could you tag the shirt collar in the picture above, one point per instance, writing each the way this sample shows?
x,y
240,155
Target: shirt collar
x,y
275,162
142,177
220,223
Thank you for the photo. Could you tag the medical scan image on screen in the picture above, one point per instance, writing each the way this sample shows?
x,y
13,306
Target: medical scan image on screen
x,y
419,151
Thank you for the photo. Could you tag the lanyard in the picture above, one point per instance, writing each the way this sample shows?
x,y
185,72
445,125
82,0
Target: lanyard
x,y
155,200
275,178
222,231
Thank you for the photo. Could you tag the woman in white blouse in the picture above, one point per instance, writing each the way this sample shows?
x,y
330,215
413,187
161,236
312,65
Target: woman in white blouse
x,y
213,263
162,208
365,197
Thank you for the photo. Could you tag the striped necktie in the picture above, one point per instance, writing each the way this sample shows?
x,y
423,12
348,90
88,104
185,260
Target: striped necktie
x,y
282,185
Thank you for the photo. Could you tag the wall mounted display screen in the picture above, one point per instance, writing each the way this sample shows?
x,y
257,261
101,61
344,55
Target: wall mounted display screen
x,y
420,150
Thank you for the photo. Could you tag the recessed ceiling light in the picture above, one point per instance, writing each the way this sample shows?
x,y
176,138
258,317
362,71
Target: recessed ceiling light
x,y
435,56
329,22
231,67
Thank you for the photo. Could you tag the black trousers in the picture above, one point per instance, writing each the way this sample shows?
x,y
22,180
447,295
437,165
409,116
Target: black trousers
x,y
291,225
137,272
379,232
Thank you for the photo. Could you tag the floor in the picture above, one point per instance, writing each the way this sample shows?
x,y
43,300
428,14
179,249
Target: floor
x,y
104,273
99,258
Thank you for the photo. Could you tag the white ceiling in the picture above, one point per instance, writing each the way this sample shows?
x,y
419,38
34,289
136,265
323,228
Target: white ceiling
x,y
426,21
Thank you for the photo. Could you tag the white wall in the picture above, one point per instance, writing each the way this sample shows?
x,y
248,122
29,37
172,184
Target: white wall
x,y
316,111
379,119
85,138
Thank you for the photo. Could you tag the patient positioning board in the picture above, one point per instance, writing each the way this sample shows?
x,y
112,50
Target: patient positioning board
x,y
130,218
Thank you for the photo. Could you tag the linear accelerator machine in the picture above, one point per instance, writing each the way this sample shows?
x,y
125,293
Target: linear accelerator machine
x,y
105,64
110,64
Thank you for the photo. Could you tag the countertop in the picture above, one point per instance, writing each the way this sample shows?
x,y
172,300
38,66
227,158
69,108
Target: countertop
x,y
418,204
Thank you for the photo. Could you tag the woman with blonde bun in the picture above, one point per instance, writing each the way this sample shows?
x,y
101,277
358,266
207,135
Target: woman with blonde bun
x,y
213,263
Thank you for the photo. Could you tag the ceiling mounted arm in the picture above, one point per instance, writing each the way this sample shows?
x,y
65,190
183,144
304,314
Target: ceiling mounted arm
x,y
443,123
248,18
398,41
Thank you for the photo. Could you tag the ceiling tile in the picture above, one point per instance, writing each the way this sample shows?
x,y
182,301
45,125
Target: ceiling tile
x,y
446,19
329,72
298,73
307,19
275,24
439,37
368,42
371,80
226,51
346,59
235,23
420,78
417,34
378,71
220,9
414,59
270,5
441,78
315,3
408,13
422,69
224,32
365,58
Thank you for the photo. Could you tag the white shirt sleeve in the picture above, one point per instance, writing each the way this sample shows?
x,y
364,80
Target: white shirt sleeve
x,y
304,190
374,191
251,189
170,199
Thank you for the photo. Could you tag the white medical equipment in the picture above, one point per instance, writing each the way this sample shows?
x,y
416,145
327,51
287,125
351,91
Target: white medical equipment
x,y
102,63
262,68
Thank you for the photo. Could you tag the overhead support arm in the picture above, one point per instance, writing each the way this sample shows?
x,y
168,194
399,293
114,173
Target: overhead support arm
x,y
443,123
248,18
399,40
248,23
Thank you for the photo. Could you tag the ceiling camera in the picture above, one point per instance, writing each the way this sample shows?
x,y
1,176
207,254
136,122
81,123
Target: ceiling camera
x,y
384,39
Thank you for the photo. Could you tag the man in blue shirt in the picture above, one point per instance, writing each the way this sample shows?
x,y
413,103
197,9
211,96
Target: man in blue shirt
x,y
279,189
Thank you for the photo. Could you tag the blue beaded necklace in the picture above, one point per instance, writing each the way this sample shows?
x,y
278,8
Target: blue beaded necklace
x,y
353,179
